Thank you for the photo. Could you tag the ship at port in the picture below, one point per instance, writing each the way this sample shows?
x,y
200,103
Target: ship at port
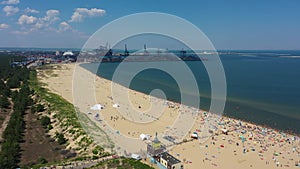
x,y
107,54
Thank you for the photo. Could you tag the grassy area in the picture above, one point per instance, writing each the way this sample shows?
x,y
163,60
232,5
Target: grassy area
x,y
122,163
64,113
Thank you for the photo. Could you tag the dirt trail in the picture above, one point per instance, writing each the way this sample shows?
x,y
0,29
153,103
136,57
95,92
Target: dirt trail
x,y
5,123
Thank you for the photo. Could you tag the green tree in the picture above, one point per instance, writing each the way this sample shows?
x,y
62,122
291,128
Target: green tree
x,y
40,108
60,138
45,121
15,78
4,103
13,82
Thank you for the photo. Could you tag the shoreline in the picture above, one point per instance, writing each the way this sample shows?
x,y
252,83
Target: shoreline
x,y
273,124
190,146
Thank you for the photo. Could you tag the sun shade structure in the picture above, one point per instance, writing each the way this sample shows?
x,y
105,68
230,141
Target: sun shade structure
x,y
68,53
97,107
116,105
144,137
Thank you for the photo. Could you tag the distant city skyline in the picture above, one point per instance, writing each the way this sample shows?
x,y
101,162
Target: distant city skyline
x,y
232,24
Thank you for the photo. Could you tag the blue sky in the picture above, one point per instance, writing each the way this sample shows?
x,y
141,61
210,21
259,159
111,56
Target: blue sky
x,y
230,24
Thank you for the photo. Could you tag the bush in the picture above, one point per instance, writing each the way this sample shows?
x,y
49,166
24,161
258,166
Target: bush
x,y
33,109
95,157
60,138
49,127
45,121
95,151
40,108
42,160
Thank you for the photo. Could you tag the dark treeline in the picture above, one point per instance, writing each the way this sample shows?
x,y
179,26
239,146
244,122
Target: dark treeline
x,y
4,75
9,78
4,95
13,78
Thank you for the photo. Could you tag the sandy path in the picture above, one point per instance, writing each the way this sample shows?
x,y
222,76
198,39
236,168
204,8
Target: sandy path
x,y
5,123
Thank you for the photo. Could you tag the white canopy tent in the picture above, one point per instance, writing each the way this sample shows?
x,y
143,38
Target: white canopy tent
x,y
144,137
97,107
116,105
136,156
194,135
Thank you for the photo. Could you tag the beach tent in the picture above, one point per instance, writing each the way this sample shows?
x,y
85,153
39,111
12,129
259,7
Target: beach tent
x,y
224,131
136,156
97,107
116,105
144,137
194,135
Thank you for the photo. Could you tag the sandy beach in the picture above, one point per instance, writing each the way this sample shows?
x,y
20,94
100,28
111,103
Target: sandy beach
x,y
243,145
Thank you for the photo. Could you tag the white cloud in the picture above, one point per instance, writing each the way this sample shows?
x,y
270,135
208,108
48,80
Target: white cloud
x,y
51,15
80,13
29,10
46,21
30,23
3,26
25,19
64,26
10,10
10,2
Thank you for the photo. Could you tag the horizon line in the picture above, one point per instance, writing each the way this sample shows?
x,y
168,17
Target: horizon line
x,y
75,48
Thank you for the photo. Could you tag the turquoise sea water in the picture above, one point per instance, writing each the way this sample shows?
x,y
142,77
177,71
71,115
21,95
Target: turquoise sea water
x,y
262,86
